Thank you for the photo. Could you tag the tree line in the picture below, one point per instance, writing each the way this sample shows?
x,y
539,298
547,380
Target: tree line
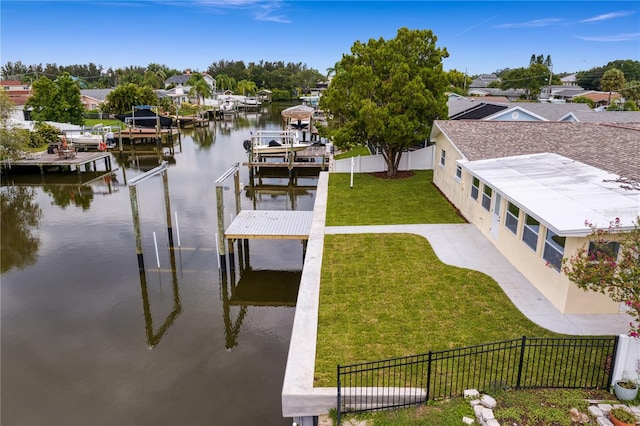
x,y
286,80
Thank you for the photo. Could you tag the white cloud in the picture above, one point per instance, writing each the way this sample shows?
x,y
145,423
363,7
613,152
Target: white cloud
x,y
532,24
612,38
607,16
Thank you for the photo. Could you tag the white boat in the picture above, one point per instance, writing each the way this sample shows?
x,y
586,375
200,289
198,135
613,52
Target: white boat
x,y
84,139
274,142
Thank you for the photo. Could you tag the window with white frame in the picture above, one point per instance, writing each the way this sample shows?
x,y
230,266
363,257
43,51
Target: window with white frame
x,y
458,172
553,250
486,197
530,232
443,155
475,188
511,218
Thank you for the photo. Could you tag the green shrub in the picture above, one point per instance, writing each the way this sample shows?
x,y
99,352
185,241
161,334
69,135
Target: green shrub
x,y
583,100
44,135
280,95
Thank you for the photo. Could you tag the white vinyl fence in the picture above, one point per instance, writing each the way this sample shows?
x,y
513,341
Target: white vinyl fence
x,y
421,159
627,363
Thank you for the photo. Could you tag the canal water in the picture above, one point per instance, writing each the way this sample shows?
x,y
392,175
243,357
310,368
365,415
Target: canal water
x,y
87,338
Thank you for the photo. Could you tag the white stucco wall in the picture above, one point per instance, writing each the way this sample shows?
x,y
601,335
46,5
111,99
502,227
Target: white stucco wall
x,y
555,286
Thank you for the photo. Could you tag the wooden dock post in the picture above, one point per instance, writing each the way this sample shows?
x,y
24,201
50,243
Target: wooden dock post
x,y
133,195
167,205
220,207
220,210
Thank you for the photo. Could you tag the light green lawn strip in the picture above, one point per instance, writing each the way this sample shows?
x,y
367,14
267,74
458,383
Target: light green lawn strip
x,y
388,295
114,123
375,201
358,151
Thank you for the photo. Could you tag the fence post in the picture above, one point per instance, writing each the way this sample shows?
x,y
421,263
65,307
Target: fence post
x,y
338,404
428,376
612,363
522,347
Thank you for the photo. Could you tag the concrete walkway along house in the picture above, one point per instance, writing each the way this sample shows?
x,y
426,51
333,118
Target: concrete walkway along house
x,y
529,187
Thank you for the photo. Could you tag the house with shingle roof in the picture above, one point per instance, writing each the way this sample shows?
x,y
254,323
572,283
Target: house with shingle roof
x,y
592,116
92,98
472,108
530,186
537,111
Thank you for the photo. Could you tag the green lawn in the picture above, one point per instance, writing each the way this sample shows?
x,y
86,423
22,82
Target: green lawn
x,y
388,295
90,122
375,201
358,151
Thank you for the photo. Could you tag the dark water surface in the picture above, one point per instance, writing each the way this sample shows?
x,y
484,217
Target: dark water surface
x,y
88,339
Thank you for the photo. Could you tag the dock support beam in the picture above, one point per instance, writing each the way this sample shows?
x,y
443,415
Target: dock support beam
x,y
135,212
133,195
220,210
235,170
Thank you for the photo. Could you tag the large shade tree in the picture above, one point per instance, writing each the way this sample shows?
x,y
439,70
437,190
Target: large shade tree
x,y
126,96
387,93
611,81
57,100
531,79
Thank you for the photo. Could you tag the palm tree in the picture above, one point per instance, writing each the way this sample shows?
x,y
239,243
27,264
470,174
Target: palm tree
x,y
154,76
200,89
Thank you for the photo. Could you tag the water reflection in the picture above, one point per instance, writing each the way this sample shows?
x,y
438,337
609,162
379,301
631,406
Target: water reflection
x,y
19,216
79,330
253,288
154,335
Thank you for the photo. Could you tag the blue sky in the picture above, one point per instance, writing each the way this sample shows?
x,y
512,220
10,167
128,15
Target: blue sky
x,y
480,36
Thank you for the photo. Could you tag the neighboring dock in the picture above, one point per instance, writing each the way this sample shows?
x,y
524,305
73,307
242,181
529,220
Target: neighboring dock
x,y
87,160
313,156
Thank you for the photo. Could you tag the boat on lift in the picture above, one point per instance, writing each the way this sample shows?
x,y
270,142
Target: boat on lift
x,y
274,143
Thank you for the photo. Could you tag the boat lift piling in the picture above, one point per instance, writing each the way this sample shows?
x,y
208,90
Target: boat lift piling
x,y
235,171
135,212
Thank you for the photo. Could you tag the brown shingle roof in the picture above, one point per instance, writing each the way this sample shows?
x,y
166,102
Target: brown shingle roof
x,y
611,147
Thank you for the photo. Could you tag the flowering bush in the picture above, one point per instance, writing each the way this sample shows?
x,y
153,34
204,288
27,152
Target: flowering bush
x,y
610,265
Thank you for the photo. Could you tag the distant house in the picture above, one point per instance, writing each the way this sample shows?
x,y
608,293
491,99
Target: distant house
x,y
483,81
472,108
600,98
560,92
530,186
92,98
18,94
178,90
181,80
602,116
569,80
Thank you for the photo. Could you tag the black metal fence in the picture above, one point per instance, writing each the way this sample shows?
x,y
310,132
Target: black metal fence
x,y
519,363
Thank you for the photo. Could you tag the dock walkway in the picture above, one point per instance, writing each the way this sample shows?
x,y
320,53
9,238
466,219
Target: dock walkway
x,y
270,224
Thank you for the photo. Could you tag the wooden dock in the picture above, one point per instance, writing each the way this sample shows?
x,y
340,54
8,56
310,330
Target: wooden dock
x,y
311,157
270,224
44,160
133,134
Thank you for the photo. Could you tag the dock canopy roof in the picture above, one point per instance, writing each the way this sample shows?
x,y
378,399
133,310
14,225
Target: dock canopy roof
x,y
298,112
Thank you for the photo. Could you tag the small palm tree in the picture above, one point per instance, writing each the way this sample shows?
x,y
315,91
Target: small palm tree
x,y
200,89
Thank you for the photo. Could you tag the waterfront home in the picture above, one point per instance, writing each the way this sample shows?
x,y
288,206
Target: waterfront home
x,y
92,98
530,187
